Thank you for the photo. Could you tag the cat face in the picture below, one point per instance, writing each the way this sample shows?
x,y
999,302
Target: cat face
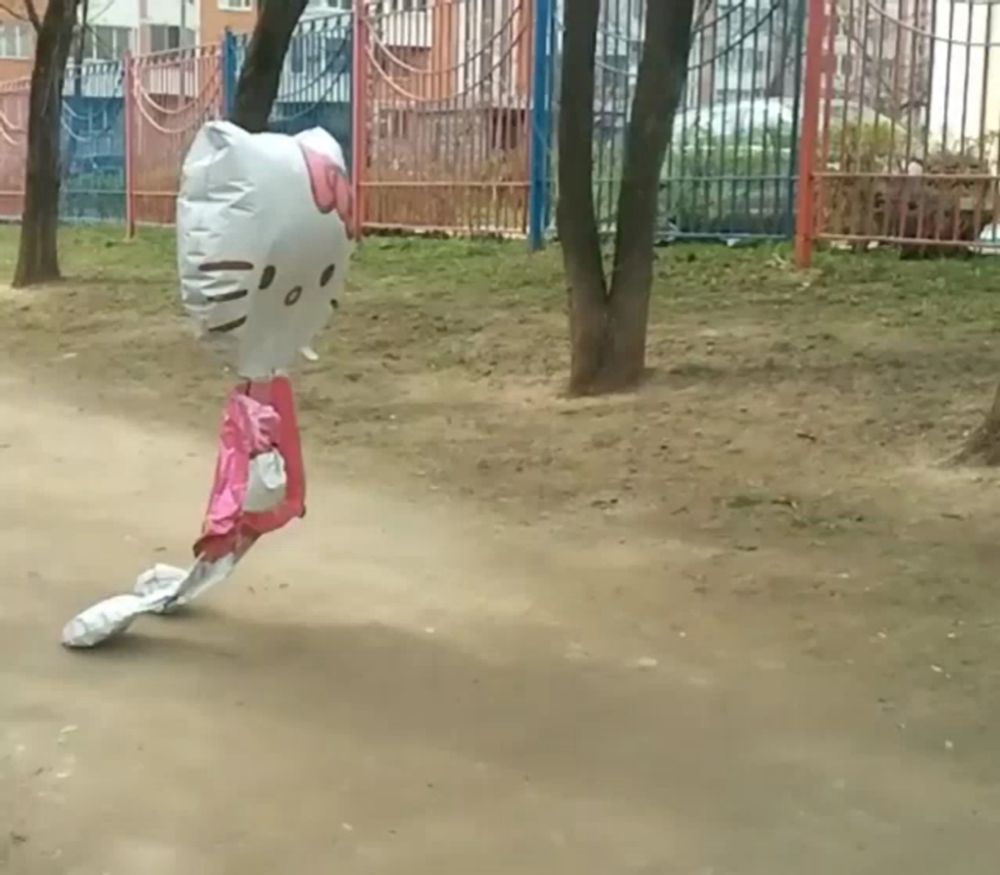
x,y
264,226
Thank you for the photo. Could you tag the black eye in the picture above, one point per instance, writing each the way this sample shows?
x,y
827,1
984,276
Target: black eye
x,y
293,296
267,277
327,274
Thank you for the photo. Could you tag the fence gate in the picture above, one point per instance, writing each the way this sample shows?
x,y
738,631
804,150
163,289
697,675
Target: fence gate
x,y
444,93
909,114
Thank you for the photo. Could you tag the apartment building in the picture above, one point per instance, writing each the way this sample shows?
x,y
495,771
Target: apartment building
x,y
114,27
473,43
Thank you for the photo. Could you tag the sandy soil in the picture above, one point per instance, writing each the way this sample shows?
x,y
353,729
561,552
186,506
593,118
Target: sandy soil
x,y
740,623
400,684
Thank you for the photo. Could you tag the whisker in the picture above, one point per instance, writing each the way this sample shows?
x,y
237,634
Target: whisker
x,y
228,326
228,296
211,266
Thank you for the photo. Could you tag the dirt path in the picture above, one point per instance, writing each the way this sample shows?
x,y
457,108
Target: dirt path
x,y
400,685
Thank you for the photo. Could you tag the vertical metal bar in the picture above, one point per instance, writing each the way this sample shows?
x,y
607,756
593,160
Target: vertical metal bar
x,y
769,149
794,151
871,225
947,71
983,166
826,89
130,144
904,193
359,87
894,185
737,133
753,225
603,197
540,124
970,11
718,162
229,72
957,210
859,219
553,24
805,220
541,121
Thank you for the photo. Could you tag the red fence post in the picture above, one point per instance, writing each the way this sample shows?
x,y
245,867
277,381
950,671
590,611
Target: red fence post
x,y
359,113
129,109
805,218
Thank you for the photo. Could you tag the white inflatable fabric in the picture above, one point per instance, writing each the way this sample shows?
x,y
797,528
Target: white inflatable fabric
x,y
263,243
161,589
263,230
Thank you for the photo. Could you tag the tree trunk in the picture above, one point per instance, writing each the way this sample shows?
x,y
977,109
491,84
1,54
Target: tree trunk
x,y
658,92
983,446
608,322
787,41
575,215
38,255
261,73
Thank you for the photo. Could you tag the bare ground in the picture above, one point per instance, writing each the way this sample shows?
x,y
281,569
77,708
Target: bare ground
x,y
739,622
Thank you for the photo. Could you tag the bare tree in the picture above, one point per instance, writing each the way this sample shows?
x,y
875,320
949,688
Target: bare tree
x,y
261,73
609,316
38,253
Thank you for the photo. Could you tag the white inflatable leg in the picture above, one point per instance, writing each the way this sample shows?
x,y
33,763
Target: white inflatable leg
x,y
107,618
160,590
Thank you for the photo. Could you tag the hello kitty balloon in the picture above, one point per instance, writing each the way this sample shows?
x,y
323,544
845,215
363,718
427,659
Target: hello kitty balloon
x,y
264,224
264,227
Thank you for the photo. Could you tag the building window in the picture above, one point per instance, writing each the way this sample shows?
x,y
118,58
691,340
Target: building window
x,y
101,43
167,37
16,41
323,5
236,5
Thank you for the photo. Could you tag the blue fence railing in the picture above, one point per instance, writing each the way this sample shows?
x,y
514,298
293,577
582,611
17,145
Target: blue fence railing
x,y
93,143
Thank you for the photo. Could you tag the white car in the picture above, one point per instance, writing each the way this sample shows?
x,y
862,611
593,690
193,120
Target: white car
x,y
749,121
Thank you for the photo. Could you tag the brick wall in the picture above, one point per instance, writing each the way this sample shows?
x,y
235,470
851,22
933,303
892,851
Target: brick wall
x,y
214,21
15,68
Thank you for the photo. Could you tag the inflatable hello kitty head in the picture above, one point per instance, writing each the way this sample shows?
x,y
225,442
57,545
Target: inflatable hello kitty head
x,y
264,224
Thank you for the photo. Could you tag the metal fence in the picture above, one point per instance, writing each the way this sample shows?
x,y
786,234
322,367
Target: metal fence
x,y
170,96
446,89
93,143
316,84
890,109
904,145
13,145
731,167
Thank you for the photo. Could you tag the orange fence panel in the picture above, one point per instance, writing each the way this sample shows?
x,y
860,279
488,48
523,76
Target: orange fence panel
x,y
13,145
908,124
172,94
446,91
